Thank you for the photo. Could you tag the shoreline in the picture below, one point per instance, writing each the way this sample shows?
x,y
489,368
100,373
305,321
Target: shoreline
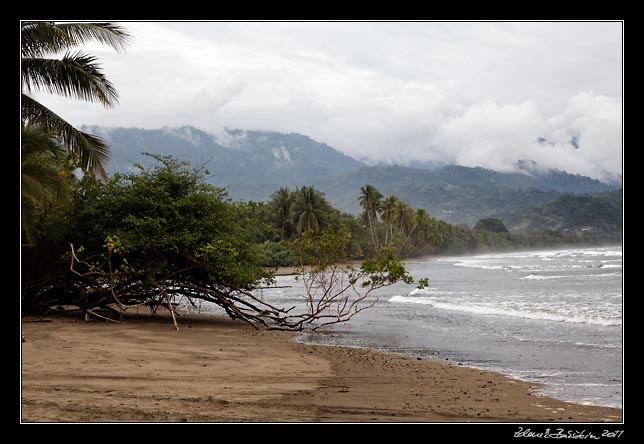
x,y
218,370
356,263
536,388
292,270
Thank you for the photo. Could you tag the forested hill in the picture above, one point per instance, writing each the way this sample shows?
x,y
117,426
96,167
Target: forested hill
x,y
255,158
597,213
253,164
457,194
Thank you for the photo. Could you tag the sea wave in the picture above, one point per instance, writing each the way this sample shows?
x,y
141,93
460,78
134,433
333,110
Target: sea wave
x,y
592,345
540,277
575,343
525,313
478,264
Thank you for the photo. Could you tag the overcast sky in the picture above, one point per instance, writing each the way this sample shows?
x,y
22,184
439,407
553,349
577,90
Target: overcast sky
x,y
477,94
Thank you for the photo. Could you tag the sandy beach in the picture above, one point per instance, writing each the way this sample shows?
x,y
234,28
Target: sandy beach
x,y
217,370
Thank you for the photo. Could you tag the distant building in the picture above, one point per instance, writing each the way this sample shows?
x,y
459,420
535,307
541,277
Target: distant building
x,y
586,228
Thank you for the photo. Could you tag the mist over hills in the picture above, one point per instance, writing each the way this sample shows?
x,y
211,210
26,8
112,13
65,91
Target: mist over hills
x,y
253,164
234,156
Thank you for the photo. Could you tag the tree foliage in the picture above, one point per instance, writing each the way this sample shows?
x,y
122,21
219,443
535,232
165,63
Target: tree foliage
x,y
281,215
162,235
371,202
47,179
393,224
309,210
335,291
141,237
491,224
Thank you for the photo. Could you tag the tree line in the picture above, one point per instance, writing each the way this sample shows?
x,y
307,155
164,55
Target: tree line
x,y
384,223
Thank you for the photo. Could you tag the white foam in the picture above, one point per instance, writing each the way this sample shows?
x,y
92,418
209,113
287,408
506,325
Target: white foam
x,y
475,264
426,290
494,309
537,277
594,384
617,273
540,254
585,344
478,264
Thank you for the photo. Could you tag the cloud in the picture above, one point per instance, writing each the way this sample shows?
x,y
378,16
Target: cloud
x,y
489,134
595,121
585,138
479,94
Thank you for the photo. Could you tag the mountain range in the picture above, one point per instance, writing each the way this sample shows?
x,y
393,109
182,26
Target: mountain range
x,y
253,164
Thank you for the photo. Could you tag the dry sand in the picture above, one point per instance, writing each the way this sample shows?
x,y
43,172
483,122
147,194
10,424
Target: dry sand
x,y
216,370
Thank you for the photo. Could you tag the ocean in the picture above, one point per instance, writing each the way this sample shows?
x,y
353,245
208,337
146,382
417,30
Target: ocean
x,y
552,317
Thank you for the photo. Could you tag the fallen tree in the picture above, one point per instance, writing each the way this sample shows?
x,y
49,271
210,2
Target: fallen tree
x,y
161,236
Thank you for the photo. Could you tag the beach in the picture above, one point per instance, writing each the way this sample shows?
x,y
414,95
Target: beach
x,y
216,370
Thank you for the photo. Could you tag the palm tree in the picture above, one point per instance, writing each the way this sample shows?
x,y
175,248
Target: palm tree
x,y
404,216
431,230
388,217
76,75
425,231
281,206
370,201
309,209
44,179
423,224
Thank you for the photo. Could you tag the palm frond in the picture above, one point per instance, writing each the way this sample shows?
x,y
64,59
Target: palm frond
x,y
36,141
40,180
91,152
42,187
108,34
41,38
43,184
76,75
29,218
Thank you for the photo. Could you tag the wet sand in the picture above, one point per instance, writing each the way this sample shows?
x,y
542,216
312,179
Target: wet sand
x,y
217,370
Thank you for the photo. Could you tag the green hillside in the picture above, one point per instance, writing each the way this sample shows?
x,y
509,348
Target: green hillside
x,y
586,213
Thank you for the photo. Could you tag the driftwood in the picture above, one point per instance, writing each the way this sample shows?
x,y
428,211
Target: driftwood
x,y
93,312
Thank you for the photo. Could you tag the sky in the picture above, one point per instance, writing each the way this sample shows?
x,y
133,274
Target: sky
x,y
484,94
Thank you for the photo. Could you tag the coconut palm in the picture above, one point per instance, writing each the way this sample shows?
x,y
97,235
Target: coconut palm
x,y
281,206
403,216
370,200
75,75
309,209
388,217
44,179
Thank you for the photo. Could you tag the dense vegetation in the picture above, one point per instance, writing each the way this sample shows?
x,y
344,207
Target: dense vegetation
x,y
600,212
491,224
456,194
163,235
391,223
156,228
